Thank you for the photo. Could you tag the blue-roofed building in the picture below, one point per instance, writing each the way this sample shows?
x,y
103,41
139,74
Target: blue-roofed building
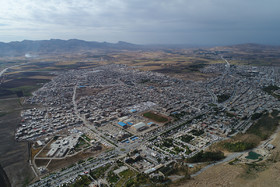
x,y
129,123
134,138
133,110
150,123
122,124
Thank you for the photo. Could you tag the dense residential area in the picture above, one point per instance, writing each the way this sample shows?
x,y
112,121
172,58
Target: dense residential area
x,y
115,125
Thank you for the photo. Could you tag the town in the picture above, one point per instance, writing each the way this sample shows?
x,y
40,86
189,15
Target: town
x,y
129,121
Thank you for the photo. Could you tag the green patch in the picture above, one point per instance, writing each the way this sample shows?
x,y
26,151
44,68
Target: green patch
x,y
233,161
2,114
179,115
212,105
186,138
167,143
238,146
271,89
206,157
99,172
178,150
275,113
229,114
81,144
125,176
264,127
86,138
84,180
155,117
197,132
24,90
256,116
112,178
253,168
223,97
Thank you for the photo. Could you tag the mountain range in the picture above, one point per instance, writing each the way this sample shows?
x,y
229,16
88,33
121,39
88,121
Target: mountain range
x,y
58,46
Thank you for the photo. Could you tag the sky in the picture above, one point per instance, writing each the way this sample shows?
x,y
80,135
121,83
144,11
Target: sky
x,y
199,22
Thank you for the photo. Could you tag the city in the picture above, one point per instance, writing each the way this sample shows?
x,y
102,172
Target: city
x,y
126,121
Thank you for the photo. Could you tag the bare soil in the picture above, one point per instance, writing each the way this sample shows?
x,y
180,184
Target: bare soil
x,y
13,155
266,174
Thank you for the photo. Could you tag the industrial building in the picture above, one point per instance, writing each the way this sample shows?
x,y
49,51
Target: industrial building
x,y
139,126
122,124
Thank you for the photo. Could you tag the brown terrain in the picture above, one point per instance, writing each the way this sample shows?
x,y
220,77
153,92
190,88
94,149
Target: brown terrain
x,y
266,173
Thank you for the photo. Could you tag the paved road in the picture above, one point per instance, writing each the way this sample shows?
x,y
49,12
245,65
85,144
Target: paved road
x,y
4,70
87,124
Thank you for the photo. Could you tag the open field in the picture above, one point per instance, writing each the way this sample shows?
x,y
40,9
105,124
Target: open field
x,y
251,54
13,155
155,117
22,83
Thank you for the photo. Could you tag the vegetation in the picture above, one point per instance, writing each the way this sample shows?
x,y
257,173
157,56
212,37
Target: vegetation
x,y
212,105
83,181
125,175
275,113
256,116
112,177
24,90
238,146
155,117
264,127
85,137
233,161
178,149
206,157
223,97
82,143
99,172
186,138
229,114
253,168
270,90
178,116
2,114
197,132
167,142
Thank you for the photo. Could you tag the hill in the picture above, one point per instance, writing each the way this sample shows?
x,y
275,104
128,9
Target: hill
x,y
58,46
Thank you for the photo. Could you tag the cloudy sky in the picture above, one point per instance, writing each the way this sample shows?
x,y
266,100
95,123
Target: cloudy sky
x,y
204,22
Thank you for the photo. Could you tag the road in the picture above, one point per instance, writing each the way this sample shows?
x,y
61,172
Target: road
x,y
228,158
6,69
86,123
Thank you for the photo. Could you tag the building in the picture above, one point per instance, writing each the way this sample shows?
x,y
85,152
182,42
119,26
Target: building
x,y
122,124
139,126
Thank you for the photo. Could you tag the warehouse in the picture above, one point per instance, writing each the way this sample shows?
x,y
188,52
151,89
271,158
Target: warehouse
x,y
122,124
139,126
